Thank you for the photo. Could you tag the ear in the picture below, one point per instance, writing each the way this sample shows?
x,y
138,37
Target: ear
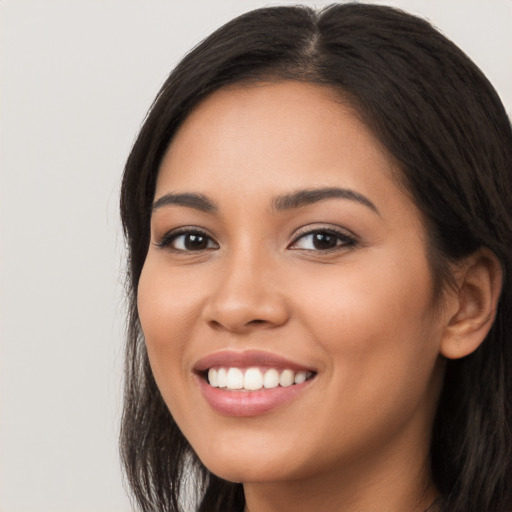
x,y
472,306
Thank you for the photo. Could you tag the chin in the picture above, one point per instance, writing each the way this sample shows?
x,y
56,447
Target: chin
x,y
244,471
253,465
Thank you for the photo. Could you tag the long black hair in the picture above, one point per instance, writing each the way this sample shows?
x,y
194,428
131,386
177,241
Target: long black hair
x,y
443,122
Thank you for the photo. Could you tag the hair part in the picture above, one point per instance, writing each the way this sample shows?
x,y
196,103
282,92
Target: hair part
x,y
441,120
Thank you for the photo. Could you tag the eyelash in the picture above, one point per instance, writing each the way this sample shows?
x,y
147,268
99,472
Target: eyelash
x,y
171,237
343,240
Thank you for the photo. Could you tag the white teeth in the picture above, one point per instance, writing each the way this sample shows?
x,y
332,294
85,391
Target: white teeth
x,y
252,379
271,379
300,377
221,378
212,377
286,378
235,379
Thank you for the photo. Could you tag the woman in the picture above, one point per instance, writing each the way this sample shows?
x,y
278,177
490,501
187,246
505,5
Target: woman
x,y
320,242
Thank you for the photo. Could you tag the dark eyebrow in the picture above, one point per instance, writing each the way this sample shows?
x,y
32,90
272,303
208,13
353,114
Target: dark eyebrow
x,y
310,196
195,201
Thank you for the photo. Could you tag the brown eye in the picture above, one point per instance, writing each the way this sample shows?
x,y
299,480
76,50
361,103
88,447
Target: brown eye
x,y
188,241
322,240
194,242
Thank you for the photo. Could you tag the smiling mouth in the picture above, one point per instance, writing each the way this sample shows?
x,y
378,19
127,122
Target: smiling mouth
x,y
251,382
254,378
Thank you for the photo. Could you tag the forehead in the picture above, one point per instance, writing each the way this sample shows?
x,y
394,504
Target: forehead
x,y
274,135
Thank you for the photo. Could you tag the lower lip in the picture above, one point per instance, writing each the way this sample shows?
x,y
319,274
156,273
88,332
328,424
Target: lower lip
x,y
249,403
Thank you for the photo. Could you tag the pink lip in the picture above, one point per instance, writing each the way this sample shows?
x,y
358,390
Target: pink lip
x,y
228,358
248,403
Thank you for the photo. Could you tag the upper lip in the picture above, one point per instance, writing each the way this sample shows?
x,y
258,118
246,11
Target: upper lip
x,y
246,359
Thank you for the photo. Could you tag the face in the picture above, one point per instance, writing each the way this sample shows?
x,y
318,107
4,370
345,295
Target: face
x,y
286,299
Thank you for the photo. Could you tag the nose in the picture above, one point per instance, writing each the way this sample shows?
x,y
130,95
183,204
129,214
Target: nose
x,y
247,296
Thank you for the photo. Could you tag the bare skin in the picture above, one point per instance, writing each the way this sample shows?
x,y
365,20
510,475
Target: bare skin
x,y
338,283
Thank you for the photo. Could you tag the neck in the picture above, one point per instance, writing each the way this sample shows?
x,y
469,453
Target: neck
x,y
336,495
390,482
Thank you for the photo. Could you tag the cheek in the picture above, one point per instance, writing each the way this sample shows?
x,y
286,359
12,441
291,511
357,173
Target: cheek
x,y
167,311
378,334
374,320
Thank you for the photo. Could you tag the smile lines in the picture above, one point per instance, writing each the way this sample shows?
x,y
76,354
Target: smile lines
x,y
253,379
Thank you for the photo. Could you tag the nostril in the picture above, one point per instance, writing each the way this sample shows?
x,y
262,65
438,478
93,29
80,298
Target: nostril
x,y
215,325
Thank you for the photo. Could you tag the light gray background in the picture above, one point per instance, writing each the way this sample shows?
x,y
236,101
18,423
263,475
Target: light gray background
x,y
77,77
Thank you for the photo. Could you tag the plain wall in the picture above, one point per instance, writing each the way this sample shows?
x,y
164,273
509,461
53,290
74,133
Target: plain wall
x,y
76,78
